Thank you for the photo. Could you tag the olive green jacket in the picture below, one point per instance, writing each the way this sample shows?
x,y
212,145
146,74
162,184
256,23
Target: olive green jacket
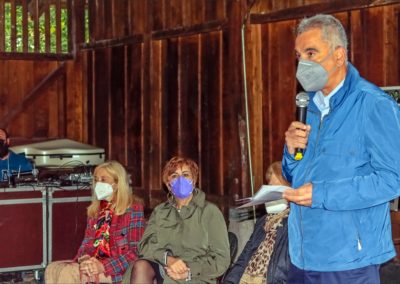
x,y
197,235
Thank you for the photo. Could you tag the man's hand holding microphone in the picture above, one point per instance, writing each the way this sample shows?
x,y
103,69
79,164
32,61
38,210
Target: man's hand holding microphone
x,y
296,138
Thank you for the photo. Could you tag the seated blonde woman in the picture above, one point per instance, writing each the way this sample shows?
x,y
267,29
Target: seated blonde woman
x,y
115,224
265,257
186,238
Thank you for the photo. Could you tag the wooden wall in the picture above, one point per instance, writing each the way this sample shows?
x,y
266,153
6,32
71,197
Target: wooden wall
x,y
165,77
165,90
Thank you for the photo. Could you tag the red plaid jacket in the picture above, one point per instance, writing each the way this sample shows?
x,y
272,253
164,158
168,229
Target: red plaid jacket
x,y
125,233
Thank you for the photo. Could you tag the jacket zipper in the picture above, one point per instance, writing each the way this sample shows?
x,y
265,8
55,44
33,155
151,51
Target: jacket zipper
x,y
307,173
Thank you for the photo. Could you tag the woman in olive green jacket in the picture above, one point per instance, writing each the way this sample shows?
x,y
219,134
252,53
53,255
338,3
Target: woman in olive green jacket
x,y
186,238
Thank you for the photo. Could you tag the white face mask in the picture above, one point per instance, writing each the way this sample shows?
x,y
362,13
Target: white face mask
x,y
276,206
103,190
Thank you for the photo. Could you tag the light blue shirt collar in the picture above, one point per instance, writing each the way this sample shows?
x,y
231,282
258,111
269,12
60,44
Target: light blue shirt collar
x,y
322,102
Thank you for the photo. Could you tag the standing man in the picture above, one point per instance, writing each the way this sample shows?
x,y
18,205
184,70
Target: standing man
x,y
339,224
10,162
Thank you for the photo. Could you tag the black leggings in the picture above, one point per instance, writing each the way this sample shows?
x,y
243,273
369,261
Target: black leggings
x,y
147,271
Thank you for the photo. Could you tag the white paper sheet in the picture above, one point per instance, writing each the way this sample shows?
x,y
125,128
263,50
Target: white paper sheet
x,y
265,194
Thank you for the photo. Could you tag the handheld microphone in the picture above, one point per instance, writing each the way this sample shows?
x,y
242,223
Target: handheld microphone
x,y
302,100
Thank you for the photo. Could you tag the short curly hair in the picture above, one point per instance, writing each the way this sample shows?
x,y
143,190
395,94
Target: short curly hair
x,y
177,161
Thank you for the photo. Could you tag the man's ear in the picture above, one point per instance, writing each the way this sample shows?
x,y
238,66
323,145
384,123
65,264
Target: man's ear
x,y
340,56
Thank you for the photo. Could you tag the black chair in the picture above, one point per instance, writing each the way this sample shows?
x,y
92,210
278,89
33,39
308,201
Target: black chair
x,y
233,248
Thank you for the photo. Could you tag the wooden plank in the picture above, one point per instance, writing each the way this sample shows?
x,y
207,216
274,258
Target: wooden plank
x,y
301,11
117,104
234,168
120,17
60,114
211,113
171,100
13,26
2,26
198,11
281,84
24,26
101,103
174,16
36,30
391,42
43,109
32,95
98,18
58,26
373,23
157,121
214,10
76,32
134,112
107,19
356,40
91,90
47,34
34,56
190,30
92,20
159,15
4,87
113,42
188,100
255,95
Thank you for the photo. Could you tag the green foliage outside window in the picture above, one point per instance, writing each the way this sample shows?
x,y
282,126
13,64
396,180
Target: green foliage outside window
x,y
31,31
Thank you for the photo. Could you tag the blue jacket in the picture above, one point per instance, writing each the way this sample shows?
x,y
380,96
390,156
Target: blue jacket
x,y
14,163
352,160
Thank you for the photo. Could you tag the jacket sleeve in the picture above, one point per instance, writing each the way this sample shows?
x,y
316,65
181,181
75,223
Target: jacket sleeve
x,y
217,259
85,247
382,138
132,227
288,164
149,246
235,273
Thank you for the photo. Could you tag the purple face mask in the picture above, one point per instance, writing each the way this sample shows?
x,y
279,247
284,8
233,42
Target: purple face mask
x,y
182,187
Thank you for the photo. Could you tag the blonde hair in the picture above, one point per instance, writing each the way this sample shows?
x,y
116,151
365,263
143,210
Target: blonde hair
x,y
176,162
276,169
123,196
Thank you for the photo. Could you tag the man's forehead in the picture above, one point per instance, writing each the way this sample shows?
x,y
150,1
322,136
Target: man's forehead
x,y
311,39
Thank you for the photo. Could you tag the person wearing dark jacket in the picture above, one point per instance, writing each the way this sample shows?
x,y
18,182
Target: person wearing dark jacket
x,y
265,257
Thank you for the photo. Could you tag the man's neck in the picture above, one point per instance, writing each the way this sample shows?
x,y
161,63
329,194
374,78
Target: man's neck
x,y
335,80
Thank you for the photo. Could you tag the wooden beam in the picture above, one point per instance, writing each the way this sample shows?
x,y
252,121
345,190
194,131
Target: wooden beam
x,y
33,95
2,26
191,30
112,42
312,9
13,26
34,56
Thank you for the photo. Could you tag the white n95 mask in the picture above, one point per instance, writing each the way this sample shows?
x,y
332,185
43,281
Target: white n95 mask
x,y
103,190
276,206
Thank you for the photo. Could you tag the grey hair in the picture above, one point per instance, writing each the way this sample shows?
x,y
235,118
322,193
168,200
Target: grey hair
x,y
332,29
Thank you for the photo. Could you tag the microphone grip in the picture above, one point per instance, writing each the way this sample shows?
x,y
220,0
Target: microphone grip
x,y
298,154
301,115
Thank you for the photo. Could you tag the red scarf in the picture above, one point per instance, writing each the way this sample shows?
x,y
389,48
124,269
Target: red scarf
x,y
102,235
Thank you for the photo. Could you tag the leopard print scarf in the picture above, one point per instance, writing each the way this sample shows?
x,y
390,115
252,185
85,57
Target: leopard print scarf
x,y
258,264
